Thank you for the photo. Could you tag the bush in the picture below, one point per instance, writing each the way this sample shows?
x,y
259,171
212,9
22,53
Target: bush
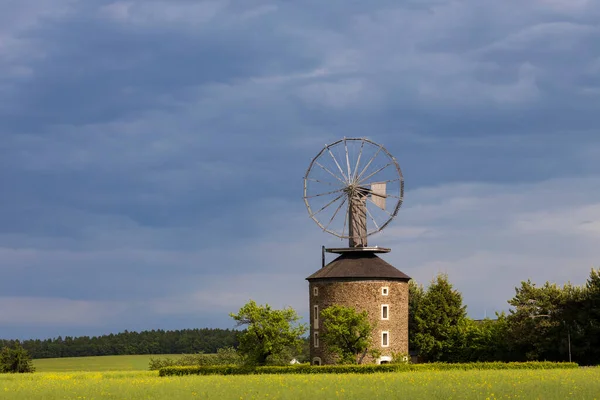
x,y
15,360
353,369
400,358
225,356
271,334
347,334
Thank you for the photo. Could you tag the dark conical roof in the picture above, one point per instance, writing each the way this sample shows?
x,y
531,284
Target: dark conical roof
x,y
363,265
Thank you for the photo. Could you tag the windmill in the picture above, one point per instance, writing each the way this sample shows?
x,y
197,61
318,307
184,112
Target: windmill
x,y
353,188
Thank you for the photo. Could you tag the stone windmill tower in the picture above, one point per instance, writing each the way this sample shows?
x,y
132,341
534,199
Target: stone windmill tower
x,y
353,188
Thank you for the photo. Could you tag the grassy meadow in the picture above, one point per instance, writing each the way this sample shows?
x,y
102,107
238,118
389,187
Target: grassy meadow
x,y
101,363
581,383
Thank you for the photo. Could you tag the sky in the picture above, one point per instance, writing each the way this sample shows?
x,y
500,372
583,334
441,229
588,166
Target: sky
x,y
152,151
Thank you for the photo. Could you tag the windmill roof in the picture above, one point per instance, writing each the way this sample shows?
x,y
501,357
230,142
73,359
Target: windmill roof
x,y
364,265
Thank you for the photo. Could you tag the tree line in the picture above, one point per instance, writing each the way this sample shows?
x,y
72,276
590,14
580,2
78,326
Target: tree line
x,y
545,323
548,322
186,341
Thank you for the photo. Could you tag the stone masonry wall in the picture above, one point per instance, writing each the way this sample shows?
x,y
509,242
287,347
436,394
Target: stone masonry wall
x,y
363,295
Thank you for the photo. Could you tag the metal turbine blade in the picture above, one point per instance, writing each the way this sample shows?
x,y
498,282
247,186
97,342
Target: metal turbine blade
x,y
378,194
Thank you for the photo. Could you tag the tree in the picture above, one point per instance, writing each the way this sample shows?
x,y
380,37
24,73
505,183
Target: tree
x,y
481,340
15,359
270,333
581,313
541,321
438,316
415,296
591,320
186,341
346,333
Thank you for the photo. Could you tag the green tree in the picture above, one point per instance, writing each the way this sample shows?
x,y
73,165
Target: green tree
x,y
415,296
591,307
581,313
270,334
438,319
346,333
541,320
186,341
15,359
482,340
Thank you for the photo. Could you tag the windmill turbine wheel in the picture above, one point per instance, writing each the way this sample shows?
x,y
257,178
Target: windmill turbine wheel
x,y
353,188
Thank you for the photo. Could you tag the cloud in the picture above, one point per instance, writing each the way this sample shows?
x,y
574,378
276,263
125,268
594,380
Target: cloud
x,y
152,152
489,238
52,311
164,13
279,289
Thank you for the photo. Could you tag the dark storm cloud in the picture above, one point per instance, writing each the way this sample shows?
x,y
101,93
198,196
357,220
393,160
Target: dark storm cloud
x,y
150,148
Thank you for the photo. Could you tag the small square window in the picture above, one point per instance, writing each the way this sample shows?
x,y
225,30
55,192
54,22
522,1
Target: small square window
x,y
385,291
316,339
385,311
385,339
315,291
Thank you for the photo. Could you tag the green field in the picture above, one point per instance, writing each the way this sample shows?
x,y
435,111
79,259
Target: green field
x,y
126,377
582,383
103,363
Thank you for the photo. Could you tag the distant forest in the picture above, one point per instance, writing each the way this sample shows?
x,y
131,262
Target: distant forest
x,y
186,341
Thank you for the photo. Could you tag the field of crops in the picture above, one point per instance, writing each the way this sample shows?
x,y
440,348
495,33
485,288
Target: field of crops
x,y
103,363
582,383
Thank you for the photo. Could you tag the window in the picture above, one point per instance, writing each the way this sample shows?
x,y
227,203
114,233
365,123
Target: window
x,y
385,291
315,291
385,311
385,339
317,361
316,339
316,317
